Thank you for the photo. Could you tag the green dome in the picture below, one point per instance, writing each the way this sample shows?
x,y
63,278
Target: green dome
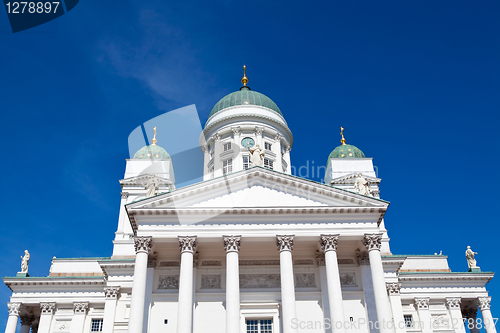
x,y
245,96
153,151
346,151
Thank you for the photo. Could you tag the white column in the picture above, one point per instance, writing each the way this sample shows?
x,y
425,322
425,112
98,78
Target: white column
x,y
14,309
206,159
368,294
456,314
285,246
185,307
320,258
232,246
47,311
149,292
329,246
278,166
373,245
142,247
236,147
394,291
484,306
287,160
471,315
424,315
26,321
80,312
111,296
258,137
217,151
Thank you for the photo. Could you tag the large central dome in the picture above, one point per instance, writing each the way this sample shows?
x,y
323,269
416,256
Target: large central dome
x,y
245,96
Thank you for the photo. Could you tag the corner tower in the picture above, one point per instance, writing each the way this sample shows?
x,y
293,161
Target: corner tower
x,y
239,121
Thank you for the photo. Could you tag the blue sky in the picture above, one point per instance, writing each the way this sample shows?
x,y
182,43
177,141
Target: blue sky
x,y
415,84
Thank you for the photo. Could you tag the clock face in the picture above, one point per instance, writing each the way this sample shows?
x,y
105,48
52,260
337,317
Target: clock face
x,y
247,142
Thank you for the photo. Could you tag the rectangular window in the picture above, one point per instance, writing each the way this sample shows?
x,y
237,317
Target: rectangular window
x,y
227,166
408,321
227,146
268,163
268,146
96,325
260,326
246,162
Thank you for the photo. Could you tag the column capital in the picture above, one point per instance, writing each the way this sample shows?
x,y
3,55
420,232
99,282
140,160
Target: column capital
x,y
284,242
215,137
484,303
204,148
124,195
453,302
80,307
259,130
422,303
393,288
329,242
143,244
232,243
278,137
111,292
187,244
236,130
14,308
27,319
373,241
47,307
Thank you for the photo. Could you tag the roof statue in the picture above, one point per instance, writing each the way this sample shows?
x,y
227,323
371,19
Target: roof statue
x,y
471,260
25,261
362,185
257,156
152,186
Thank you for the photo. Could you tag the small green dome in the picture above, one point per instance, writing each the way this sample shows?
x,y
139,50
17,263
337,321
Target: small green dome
x,y
152,151
346,151
245,96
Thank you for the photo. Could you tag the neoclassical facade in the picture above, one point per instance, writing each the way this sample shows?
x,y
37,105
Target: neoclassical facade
x,y
251,249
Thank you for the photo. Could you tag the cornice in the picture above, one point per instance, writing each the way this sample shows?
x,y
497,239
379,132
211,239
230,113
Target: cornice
x,y
56,280
420,276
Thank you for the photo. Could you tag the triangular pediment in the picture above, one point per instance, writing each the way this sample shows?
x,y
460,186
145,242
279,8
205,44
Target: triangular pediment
x,y
256,187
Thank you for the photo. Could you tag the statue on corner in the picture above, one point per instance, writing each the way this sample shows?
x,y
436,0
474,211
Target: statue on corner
x,y
25,261
257,156
362,185
471,261
151,186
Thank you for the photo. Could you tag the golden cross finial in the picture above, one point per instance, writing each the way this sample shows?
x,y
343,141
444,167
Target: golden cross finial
x,y
342,133
244,79
154,137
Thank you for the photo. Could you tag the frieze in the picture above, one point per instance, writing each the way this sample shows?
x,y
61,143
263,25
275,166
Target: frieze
x,y
303,262
259,262
211,263
169,263
168,282
348,279
260,281
305,280
210,281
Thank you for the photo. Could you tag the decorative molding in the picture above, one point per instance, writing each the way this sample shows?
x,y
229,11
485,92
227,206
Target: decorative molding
x,y
211,281
187,244
124,195
362,257
232,243
303,262
284,242
277,137
373,241
260,281
484,303
259,262
152,261
422,303
259,130
169,263
168,282
453,302
111,292
305,280
329,242
348,279
211,263
440,321
14,309
393,288
320,258
62,326
345,261
215,137
47,307
143,244
80,307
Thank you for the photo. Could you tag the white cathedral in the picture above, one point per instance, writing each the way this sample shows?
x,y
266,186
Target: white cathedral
x,y
251,249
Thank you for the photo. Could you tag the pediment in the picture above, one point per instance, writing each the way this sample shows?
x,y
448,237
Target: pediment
x,y
256,187
351,179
